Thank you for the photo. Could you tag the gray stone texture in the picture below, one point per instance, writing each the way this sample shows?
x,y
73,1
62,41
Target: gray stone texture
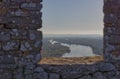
x,y
98,70
54,76
111,30
20,40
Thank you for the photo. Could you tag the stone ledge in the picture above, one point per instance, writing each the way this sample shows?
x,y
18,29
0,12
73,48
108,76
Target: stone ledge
x,y
71,60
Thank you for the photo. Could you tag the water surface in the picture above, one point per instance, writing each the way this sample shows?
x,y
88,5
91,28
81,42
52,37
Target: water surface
x,y
76,50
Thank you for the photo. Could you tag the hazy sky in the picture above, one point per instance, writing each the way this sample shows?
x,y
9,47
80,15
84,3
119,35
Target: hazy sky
x,y
72,16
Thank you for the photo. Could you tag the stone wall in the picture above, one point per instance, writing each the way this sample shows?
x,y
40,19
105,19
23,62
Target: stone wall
x,y
98,70
20,42
112,30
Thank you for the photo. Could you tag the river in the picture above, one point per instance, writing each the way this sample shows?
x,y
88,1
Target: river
x,y
76,50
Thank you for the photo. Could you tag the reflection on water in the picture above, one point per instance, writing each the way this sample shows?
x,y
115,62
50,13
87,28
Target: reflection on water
x,y
79,51
76,50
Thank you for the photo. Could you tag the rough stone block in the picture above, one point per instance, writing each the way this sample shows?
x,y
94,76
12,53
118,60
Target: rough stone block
x,y
5,59
8,66
25,23
4,35
28,72
10,46
109,8
34,1
35,14
86,77
41,75
3,11
106,67
112,31
18,73
114,39
32,56
24,13
99,75
35,35
38,70
17,34
111,52
4,20
26,46
110,18
31,45
6,74
17,1
14,5
31,6
54,76
18,13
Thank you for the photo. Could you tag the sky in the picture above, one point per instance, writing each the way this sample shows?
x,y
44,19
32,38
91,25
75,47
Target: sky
x,y
72,17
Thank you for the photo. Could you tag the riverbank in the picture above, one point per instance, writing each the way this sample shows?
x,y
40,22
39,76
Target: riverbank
x,y
53,50
78,51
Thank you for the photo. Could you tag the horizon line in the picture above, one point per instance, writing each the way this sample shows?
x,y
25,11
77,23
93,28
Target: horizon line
x,y
70,34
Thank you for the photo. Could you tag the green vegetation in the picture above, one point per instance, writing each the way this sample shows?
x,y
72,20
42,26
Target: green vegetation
x,y
53,50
